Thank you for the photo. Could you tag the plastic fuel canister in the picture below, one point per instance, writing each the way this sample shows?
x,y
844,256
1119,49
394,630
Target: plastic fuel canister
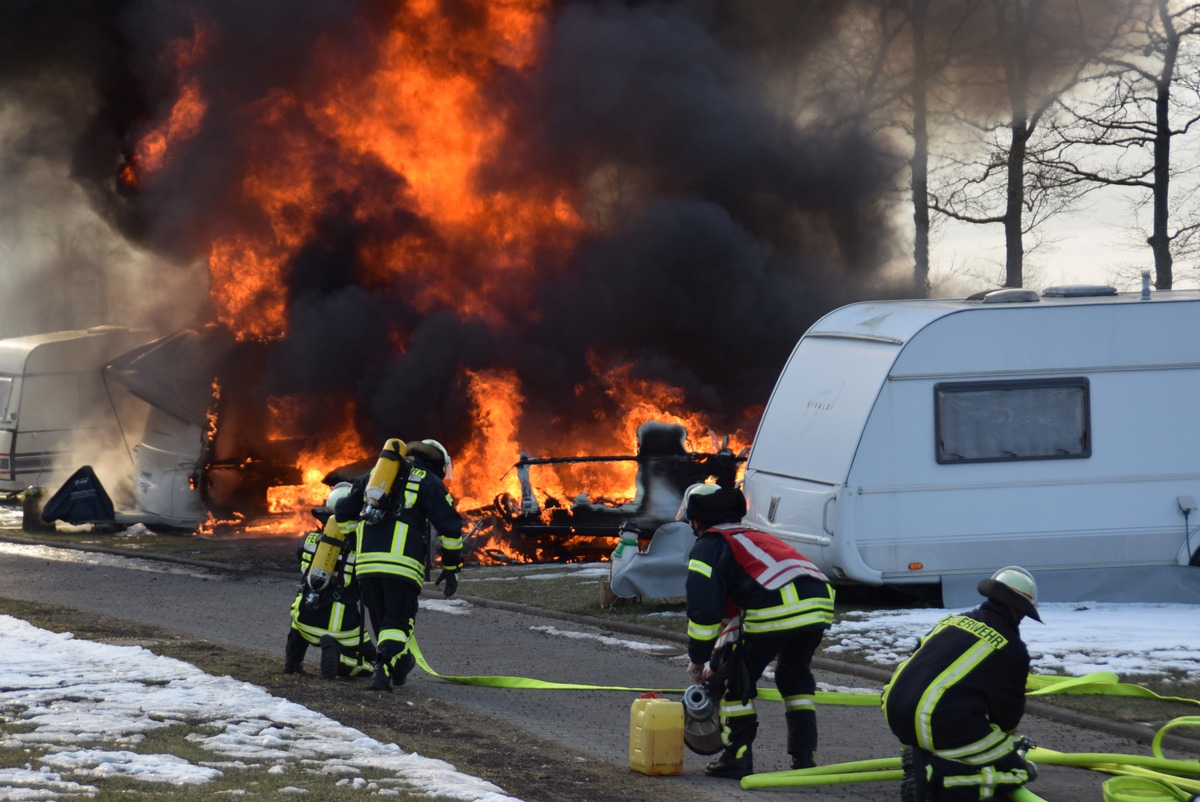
x,y
656,735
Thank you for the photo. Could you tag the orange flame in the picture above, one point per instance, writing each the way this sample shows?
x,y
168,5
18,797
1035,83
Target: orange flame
x,y
496,400
293,502
423,115
184,119
427,120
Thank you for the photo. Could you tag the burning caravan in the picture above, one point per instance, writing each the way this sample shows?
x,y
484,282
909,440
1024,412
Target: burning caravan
x,y
55,410
185,469
923,444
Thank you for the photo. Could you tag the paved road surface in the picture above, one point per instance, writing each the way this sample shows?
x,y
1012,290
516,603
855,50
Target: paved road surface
x,y
251,612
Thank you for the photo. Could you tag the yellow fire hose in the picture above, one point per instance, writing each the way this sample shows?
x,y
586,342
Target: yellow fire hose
x,y
1139,778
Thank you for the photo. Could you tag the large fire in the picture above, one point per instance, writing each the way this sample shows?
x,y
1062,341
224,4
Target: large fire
x,y
424,117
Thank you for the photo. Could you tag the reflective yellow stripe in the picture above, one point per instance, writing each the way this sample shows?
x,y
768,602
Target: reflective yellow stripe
x,y
735,709
392,635
703,631
412,486
803,701
406,567
792,613
393,562
964,665
702,568
988,749
336,624
979,630
988,779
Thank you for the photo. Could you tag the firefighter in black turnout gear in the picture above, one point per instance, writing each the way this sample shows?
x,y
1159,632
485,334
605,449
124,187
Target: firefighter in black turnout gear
x,y
392,549
956,702
327,613
738,575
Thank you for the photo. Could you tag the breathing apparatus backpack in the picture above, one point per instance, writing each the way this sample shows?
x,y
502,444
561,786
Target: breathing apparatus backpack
x,y
324,561
389,467
390,470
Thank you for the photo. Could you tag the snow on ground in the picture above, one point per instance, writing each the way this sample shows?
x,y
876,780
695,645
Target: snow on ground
x,y
1129,639
86,717
1078,638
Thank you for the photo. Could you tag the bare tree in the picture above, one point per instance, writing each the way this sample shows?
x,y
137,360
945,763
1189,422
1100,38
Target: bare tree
x,y
1031,54
1120,133
888,59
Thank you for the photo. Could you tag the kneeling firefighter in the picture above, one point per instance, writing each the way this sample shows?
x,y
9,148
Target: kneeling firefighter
x,y
393,545
783,603
327,611
956,702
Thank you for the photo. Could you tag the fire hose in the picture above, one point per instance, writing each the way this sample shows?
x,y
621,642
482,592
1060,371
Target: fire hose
x,y
1140,778
1136,778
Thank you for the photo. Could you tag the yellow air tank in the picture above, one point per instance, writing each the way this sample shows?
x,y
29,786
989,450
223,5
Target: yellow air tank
x,y
383,476
325,558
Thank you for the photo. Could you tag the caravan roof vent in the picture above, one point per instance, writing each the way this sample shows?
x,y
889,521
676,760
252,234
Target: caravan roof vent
x,y
1078,291
1010,295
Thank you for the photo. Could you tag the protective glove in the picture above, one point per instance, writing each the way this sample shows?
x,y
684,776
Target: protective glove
x,y
696,671
451,580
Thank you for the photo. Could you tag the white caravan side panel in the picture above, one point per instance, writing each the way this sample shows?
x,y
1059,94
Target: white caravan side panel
x,y
57,413
808,437
1117,507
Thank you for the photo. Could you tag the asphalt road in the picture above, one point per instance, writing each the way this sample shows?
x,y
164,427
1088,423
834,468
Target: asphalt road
x,y
251,612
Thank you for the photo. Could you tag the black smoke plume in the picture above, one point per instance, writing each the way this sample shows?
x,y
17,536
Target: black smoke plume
x,y
718,227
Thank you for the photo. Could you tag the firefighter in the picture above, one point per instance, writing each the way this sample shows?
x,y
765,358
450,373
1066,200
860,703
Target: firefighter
x,y
740,576
955,703
392,551
328,613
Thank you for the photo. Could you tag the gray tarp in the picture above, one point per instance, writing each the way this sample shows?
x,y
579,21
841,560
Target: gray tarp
x,y
660,571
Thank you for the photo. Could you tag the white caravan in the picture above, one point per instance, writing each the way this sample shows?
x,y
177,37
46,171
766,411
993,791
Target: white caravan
x,y
926,443
55,409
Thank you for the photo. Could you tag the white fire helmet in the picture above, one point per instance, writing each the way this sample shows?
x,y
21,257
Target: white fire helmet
x,y
1015,587
449,473
339,492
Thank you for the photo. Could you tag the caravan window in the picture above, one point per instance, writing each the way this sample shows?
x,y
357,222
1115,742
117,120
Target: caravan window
x,y
1015,420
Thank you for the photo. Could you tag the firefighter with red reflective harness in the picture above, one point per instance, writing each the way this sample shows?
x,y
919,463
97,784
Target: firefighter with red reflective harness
x,y
393,545
955,703
738,575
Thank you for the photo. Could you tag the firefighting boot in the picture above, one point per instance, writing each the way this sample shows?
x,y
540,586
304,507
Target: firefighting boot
x,y
737,761
802,737
381,681
331,656
293,653
405,664
734,763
